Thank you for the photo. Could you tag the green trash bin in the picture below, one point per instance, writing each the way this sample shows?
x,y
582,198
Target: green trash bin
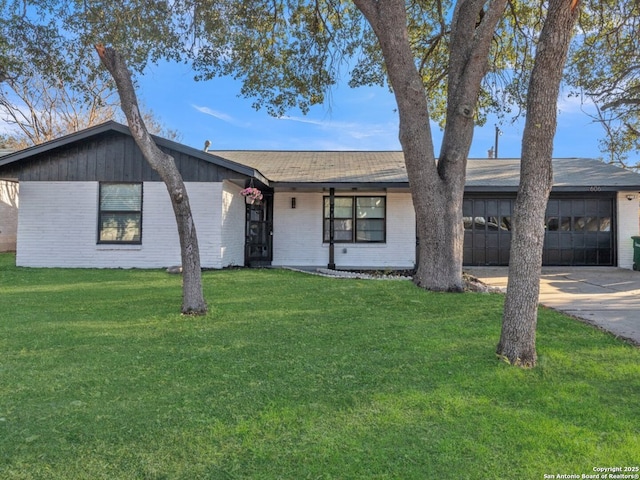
x,y
636,253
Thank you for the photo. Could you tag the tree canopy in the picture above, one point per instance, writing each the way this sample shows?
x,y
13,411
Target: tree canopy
x,y
605,68
289,53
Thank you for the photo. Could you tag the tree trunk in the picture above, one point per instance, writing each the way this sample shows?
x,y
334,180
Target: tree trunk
x,y
437,189
518,338
192,296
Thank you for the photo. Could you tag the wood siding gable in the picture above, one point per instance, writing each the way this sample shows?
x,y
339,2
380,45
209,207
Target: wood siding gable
x,y
112,156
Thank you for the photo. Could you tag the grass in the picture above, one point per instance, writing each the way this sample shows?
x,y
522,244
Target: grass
x,y
293,376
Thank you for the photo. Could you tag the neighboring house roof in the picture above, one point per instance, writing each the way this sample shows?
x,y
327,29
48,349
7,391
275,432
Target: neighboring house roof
x,y
6,151
291,169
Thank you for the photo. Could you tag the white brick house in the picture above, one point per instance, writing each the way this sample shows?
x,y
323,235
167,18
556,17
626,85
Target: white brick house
x,y
90,200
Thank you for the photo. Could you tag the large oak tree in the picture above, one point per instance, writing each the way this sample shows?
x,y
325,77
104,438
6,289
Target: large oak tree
x,y
437,188
193,301
517,341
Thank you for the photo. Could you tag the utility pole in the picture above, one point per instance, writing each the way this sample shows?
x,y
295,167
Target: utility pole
x,y
498,133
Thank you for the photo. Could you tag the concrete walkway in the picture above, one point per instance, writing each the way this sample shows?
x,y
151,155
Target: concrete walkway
x,y
604,296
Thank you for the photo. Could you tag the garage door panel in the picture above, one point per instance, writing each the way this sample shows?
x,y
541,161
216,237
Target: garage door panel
x,y
566,241
579,256
566,257
577,207
578,231
604,256
551,242
551,256
591,240
492,241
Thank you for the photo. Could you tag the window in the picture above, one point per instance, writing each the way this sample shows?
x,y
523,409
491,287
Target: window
x,y
356,219
120,213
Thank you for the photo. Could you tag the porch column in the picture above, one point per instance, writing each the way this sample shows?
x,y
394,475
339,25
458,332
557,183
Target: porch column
x,y
332,202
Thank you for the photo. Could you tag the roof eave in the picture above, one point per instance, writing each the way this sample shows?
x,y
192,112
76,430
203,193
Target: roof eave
x,y
341,185
468,189
592,189
490,189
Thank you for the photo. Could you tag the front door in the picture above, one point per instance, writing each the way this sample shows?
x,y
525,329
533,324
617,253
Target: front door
x,y
258,250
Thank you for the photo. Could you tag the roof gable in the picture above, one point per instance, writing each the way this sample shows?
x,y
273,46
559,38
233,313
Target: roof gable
x,y
67,146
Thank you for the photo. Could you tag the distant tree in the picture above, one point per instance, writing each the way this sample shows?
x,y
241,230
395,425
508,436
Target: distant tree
x,y
621,135
42,112
9,142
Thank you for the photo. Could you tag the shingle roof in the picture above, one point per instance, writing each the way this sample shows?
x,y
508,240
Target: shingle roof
x,y
291,167
568,174
380,169
323,167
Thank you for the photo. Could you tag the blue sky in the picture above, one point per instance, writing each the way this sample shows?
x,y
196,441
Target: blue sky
x,y
354,119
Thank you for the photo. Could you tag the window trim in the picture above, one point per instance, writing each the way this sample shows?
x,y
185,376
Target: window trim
x,y
101,212
354,220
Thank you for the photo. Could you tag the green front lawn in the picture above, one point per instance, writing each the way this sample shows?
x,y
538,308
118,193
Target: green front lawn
x,y
293,376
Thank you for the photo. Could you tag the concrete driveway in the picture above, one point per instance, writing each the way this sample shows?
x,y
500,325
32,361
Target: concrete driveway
x,y
604,296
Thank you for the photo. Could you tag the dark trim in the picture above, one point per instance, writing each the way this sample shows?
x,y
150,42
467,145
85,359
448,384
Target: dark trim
x,y
554,194
572,190
490,190
341,185
62,141
594,190
262,227
614,230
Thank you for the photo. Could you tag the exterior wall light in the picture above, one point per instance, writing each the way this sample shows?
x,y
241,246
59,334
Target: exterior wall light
x,y
631,197
293,202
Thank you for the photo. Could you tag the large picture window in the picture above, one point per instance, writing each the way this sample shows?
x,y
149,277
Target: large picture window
x,y
120,213
356,219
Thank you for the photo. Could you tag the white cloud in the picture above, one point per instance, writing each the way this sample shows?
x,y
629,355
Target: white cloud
x,y
220,116
574,104
302,120
354,130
